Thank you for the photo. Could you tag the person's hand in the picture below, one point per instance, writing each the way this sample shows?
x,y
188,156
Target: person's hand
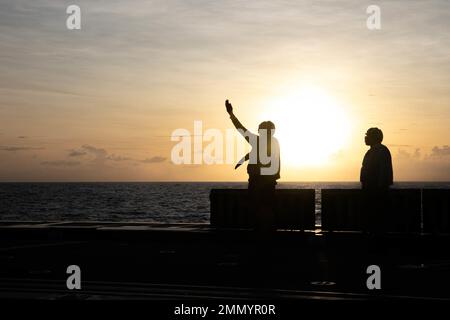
x,y
229,107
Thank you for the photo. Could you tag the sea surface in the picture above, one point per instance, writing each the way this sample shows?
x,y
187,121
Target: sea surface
x,y
169,202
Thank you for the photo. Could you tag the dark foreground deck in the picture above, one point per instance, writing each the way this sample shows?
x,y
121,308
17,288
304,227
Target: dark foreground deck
x,y
191,261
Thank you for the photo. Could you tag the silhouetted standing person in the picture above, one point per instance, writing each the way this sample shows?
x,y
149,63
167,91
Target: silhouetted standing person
x,y
376,178
262,175
376,171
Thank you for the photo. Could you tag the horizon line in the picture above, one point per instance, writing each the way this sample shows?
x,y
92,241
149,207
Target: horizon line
x,y
209,181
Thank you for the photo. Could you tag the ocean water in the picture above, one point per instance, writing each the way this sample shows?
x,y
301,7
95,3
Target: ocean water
x,y
168,202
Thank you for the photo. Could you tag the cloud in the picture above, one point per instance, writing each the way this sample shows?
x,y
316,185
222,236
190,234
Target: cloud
x,y
431,164
101,155
98,152
61,163
399,145
114,157
405,155
443,151
156,159
77,153
18,148
98,155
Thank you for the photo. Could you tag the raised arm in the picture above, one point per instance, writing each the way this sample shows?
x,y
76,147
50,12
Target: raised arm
x,y
238,125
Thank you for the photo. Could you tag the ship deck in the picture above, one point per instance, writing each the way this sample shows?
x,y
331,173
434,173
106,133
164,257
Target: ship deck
x,y
188,261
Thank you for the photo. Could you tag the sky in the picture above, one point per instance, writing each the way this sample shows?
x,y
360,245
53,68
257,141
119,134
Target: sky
x,y
101,103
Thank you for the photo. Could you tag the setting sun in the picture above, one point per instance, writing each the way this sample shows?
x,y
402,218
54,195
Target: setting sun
x,y
311,126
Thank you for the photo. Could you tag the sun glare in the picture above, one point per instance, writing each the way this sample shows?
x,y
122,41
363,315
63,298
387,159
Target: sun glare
x,y
310,125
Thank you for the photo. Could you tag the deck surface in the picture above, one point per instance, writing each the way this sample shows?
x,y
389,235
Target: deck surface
x,y
173,261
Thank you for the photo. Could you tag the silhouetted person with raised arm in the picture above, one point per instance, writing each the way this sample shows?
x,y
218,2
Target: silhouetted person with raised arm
x,y
263,169
376,178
